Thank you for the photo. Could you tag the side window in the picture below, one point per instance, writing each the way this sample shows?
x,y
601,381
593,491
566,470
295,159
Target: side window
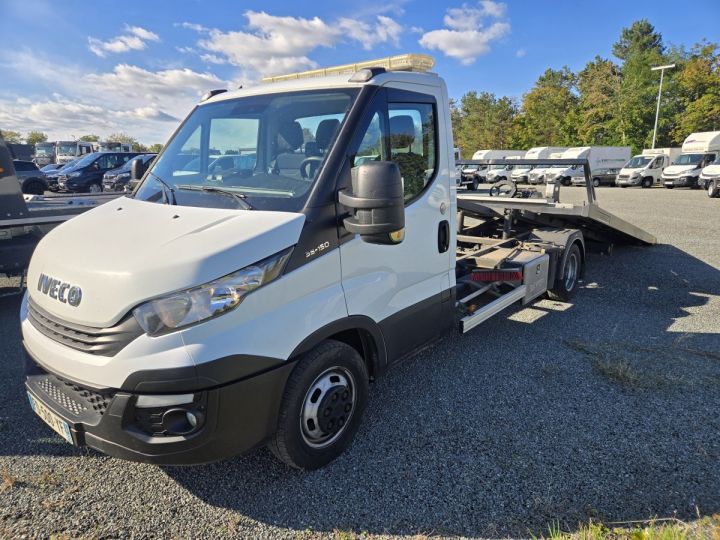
x,y
21,167
412,144
101,162
371,147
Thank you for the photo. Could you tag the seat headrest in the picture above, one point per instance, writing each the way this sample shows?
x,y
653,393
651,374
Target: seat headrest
x,y
402,131
326,131
292,134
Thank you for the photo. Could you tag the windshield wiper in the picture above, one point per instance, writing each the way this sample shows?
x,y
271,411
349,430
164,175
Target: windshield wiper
x,y
167,188
241,198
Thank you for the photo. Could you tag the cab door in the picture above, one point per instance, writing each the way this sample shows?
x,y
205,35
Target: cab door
x,y
405,288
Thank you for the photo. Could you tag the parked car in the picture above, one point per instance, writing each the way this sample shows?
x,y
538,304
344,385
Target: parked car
x,y
32,180
87,174
117,179
51,177
600,177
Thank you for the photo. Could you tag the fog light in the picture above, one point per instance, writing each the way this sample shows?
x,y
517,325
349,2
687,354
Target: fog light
x,y
179,422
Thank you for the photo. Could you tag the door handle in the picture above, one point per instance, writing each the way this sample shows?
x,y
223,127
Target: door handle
x,y
443,236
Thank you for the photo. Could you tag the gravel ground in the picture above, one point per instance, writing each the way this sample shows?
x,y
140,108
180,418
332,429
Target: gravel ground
x,y
605,409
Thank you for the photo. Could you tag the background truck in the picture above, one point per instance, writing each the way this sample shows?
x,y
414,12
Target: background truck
x,y
67,151
474,174
599,157
44,153
710,178
254,305
521,173
646,168
538,172
698,151
111,146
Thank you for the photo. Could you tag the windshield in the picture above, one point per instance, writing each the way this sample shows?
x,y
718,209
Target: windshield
x,y
637,162
45,150
66,149
267,148
80,163
688,159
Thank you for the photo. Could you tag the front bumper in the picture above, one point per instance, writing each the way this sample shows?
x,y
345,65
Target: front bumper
x,y
680,181
236,417
629,181
113,185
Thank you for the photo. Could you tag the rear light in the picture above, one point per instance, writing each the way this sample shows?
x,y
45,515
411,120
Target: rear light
x,y
496,275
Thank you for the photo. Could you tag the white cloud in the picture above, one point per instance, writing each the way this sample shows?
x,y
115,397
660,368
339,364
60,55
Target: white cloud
x,y
193,26
146,104
271,44
384,30
135,38
466,36
520,53
212,59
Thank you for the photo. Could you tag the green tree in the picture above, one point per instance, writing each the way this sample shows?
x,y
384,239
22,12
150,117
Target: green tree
x,y
483,121
13,137
549,114
698,84
34,137
90,138
155,148
599,115
640,48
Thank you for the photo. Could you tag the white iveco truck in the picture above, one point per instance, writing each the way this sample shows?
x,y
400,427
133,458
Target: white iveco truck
x,y
253,304
698,151
646,169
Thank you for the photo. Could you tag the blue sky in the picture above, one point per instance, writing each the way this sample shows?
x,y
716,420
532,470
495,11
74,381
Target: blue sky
x,y
79,67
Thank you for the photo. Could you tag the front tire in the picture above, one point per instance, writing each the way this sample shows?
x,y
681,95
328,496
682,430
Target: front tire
x,y
322,406
596,182
712,190
474,185
34,188
647,182
95,188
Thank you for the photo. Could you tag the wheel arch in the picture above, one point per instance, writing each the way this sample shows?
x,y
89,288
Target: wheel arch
x,y
360,332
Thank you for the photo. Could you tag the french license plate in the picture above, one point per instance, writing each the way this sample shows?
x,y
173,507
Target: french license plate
x,y
60,426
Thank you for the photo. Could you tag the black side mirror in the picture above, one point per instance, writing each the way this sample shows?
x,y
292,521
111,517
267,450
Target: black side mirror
x,y
137,169
376,202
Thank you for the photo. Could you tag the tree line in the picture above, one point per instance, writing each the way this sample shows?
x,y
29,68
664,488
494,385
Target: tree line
x,y
610,102
34,137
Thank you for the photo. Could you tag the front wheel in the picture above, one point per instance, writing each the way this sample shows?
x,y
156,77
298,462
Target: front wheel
x,y
712,190
596,182
474,184
322,406
95,188
669,187
34,188
647,182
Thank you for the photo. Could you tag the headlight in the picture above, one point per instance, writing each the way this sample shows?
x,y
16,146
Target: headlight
x,y
74,174
122,176
184,308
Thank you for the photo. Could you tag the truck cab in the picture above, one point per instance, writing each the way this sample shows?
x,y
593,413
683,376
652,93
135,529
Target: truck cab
x,y
44,154
66,151
698,151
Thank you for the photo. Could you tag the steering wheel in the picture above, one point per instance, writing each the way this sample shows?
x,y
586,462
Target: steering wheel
x,y
312,163
503,188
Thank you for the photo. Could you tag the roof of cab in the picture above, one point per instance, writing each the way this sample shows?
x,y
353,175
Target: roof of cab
x,y
328,82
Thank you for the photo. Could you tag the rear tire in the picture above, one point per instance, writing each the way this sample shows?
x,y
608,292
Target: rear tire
x,y
34,188
322,406
566,283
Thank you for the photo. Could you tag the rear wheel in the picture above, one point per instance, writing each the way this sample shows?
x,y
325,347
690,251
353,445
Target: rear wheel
x,y
596,182
322,406
567,282
34,187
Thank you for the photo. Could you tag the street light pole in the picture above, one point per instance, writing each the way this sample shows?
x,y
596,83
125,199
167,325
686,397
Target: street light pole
x,y
657,110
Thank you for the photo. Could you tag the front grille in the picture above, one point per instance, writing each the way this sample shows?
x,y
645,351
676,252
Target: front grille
x,y
88,339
